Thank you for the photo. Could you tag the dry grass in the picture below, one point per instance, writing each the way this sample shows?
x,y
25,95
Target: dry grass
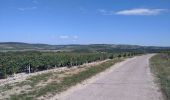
x,y
160,65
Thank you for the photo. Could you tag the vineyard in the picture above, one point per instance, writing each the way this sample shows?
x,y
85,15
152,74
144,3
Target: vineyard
x,y
33,61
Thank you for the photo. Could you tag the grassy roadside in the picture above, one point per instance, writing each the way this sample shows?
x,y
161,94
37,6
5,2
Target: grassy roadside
x,y
55,87
160,66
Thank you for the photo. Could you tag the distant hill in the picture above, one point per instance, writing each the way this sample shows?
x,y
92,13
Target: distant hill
x,y
18,46
27,46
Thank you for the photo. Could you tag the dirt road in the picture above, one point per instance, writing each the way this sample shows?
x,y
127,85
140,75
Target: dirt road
x,y
128,80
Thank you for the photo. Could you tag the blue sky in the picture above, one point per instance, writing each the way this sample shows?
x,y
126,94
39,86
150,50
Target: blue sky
x,y
141,22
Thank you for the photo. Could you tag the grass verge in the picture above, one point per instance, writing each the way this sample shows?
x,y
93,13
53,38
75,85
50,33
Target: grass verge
x,y
68,81
160,66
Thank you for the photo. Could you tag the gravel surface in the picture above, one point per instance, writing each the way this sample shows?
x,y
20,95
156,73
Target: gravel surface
x,y
128,80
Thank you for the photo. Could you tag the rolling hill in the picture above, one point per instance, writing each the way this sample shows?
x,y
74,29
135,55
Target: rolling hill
x,y
18,46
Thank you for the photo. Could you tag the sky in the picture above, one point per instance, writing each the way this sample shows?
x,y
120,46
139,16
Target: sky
x,y
137,22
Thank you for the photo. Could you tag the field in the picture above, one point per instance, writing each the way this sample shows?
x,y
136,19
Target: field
x,y
77,67
50,72
31,61
160,65
48,84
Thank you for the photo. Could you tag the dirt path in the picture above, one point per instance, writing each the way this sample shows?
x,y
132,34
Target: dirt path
x,y
128,80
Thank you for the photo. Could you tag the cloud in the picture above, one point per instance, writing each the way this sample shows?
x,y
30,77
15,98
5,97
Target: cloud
x,y
27,8
141,11
137,11
106,12
72,38
63,36
75,37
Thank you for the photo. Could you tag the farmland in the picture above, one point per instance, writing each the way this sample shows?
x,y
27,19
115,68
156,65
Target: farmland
x,y
50,83
51,72
29,62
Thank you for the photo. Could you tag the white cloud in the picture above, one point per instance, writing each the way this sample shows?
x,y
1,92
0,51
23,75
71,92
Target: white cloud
x,y
140,11
106,12
63,36
72,38
75,37
26,8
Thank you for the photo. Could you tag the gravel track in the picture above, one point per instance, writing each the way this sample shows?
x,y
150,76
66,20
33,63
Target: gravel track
x,y
128,80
